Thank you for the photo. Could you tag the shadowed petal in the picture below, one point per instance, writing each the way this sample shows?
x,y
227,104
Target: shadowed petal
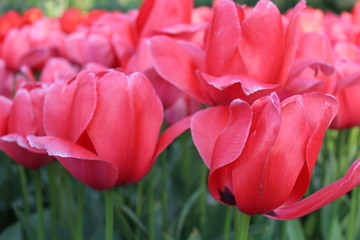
x,y
18,148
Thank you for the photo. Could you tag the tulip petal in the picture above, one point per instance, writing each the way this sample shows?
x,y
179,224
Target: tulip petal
x,y
68,109
286,158
5,106
171,133
175,64
57,69
223,40
126,124
291,40
320,110
263,20
153,12
206,126
228,147
226,88
348,113
320,198
248,171
300,64
18,148
81,163
22,119
97,48
37,101
232,139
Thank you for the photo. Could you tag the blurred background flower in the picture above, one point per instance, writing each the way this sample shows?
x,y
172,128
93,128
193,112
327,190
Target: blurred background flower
x,y
56,7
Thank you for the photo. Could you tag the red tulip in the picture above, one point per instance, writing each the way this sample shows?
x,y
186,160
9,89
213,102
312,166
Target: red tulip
x,y
70,19
104,128
261,156
18,119
32,15
157,14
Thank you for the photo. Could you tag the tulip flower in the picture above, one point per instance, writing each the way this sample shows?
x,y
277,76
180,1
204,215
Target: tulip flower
x,y
261,156
57,69
235,50
20,118
104,128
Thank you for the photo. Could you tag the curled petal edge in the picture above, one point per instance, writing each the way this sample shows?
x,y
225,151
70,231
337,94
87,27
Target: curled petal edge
x,y
84,165
320,198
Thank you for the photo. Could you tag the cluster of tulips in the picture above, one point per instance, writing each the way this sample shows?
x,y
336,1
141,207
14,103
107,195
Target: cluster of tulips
x,y
94,90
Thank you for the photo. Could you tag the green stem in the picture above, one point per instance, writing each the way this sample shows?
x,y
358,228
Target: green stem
x,y
242,223
80,213
151,200
53,205
203,212
69,202
109,215
24,189
139,193
227,224
351,229
164,191
185,163
39,205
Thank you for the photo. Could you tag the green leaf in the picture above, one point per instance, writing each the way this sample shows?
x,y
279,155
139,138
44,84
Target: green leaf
x,y
194,235
186,210
130,213
12,232
26,223
294,230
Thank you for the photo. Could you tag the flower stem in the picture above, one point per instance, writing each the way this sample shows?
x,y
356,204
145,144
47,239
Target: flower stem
x,y
151,201
39,205
24,189
80,213
203,210
109,215
242,223
139,202
227,224
53,205
164,191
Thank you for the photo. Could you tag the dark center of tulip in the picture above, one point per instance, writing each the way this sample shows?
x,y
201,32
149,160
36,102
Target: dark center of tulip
x,y
272,213
227,196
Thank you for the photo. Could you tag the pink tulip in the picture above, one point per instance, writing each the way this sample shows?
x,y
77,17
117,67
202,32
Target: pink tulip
x,y
104,128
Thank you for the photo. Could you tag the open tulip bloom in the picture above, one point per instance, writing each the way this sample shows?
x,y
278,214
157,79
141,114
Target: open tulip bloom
x,y
261,157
